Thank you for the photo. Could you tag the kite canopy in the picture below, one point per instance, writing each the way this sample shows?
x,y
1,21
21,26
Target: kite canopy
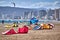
x,y
33,20
23,30
37,27
9,32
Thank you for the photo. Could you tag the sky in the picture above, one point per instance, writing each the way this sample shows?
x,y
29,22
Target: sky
x,y
32,3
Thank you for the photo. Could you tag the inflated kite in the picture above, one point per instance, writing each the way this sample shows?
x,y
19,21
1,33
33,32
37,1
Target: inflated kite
x,y
34,20
47,26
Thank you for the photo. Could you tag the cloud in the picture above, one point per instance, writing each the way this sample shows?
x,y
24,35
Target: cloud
x,y
24,4
55,4
39,5
5,3
2,2
46,4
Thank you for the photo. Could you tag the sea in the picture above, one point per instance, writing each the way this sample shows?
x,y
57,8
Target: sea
x,y
21,20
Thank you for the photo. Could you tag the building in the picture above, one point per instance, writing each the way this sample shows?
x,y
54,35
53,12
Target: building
x,y
51,13
57,14
42,13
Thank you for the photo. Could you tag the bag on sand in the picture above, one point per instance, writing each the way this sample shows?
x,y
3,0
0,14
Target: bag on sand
x,y
23,30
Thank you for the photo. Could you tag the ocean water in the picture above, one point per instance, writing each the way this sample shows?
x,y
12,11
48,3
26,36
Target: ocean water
x,y
11,21
26,21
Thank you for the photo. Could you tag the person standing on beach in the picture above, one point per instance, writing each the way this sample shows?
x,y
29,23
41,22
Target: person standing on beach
x,y
2,21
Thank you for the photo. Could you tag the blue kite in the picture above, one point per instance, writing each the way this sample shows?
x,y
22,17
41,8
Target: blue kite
x,y
33,20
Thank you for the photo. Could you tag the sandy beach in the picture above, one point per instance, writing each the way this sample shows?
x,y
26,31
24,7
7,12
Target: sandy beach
x,y
51,34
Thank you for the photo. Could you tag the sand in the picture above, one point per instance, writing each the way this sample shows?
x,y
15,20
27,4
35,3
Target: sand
x,y
52,34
